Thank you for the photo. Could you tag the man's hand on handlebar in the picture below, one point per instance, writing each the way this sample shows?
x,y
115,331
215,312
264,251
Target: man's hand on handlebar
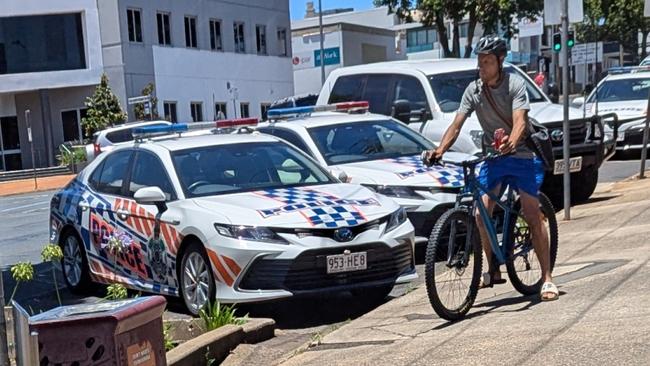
x,y
432,157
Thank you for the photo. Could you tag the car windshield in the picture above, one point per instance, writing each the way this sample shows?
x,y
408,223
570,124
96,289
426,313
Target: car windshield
x,y
364,141
222,169
449,88
622,90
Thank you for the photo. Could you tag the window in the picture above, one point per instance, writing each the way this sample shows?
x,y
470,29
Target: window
x,y
347,88
164,30
148,171
365,141
134,20
41,43
376,94
71,120
215,35
113,171
220,111
240,45
243,110
264,109
260,33
197,111
121,135
170,111
420,37
10,154
282,42
190,32
410,89
233,168
288,136
463,30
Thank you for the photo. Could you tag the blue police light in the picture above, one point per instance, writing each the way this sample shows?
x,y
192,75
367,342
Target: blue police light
x,y
150,131
337,107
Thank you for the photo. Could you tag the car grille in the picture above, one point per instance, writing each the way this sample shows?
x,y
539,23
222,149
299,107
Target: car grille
x,y
330,233
308,273
632,137
577,130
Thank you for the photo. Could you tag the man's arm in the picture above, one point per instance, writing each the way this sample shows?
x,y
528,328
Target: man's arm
x,y
448,138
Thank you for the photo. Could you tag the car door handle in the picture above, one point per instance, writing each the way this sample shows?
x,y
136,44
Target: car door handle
x,y
122,214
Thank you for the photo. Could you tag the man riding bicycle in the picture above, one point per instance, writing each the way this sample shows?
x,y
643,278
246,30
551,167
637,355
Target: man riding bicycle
x,y
501,103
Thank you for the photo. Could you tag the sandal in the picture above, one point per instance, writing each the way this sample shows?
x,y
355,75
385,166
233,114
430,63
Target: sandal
x,y
487,280
549,288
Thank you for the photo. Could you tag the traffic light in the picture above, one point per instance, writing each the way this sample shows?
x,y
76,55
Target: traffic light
x,y
557,42
570,41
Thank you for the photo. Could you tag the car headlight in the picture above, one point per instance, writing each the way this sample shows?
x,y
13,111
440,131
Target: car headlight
x,y
396,191
477,138
254,233
396,219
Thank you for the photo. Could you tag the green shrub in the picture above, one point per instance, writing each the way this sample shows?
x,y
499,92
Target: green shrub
x,y
215,315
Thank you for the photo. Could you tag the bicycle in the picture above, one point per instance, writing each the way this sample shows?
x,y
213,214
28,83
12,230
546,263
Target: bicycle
x,y
454,248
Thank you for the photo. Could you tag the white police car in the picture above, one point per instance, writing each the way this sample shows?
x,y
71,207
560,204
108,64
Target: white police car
x,y
237,217
376,151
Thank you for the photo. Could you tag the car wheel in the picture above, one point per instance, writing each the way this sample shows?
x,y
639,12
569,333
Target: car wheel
x,y
74,263
196,279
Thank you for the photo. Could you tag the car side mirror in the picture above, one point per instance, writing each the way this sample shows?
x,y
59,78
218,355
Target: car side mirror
x,y
151,196
553,92
578,102
401,110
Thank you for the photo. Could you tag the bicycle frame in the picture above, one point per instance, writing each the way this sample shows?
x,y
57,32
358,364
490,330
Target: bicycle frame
x,y
474,190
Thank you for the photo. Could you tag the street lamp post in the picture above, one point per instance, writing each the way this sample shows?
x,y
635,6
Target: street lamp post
x,y
322,51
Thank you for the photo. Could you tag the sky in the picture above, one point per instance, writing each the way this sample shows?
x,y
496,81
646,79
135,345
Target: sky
x,y
297,7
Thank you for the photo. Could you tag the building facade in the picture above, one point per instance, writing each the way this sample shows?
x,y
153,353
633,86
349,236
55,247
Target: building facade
x,y
206,58
50,61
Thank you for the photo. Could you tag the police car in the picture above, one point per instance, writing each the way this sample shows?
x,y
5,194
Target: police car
x,y
236,217
374,150
624,91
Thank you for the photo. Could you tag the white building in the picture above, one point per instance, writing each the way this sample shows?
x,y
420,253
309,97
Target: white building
x,y
350,38
50,61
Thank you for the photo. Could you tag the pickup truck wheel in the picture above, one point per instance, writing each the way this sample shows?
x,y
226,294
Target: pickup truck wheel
x,y
583,184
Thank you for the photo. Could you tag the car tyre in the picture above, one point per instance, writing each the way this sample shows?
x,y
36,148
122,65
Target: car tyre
x,y
196,280
74,263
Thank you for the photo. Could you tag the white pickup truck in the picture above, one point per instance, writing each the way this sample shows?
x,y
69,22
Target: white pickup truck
x,y
426,94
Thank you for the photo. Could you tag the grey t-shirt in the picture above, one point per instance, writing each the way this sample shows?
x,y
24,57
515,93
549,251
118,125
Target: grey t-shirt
x,y
508,96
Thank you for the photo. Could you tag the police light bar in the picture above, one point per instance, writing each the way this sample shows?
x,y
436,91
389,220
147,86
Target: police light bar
x,y
337,107
234,123
628,69
153,131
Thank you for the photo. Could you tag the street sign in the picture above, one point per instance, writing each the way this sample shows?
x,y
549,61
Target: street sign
x,y
552,9
586,53
140,99
528,28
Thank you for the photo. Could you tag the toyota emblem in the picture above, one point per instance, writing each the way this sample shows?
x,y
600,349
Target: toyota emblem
x,y
343,234
556,135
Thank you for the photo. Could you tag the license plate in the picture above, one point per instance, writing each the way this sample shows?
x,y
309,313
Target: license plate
x,y
346,262
575,164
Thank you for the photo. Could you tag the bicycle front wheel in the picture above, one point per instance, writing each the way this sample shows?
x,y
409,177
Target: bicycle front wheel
x,y
453,264
523,266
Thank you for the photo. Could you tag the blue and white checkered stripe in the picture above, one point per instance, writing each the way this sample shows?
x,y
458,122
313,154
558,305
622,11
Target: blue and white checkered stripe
x,y
449,175
320,209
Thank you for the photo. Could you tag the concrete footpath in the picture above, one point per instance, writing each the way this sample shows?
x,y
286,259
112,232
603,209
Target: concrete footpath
x,y
602,316
27,185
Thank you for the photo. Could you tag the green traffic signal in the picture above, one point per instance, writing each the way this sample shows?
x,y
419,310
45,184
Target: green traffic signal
x,y
557,47
570,40
557,42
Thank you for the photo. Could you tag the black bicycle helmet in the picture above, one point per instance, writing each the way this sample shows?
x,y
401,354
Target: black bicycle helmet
x,y
491,44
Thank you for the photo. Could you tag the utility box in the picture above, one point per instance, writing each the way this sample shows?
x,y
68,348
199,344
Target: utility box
x,y
125,332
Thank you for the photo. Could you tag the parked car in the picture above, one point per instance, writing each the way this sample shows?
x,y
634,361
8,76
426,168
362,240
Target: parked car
x,y
426,94
624,92
376,151
107,139
232,217
302,100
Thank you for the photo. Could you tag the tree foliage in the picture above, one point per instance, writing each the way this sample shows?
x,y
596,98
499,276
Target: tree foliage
x,y
489,13
103,109
139,111
623,21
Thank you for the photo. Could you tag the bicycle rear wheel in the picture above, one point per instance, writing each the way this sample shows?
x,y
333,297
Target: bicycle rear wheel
x,y
452,283
523,266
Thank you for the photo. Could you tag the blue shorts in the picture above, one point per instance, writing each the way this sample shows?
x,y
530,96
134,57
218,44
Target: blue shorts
x,y
522,173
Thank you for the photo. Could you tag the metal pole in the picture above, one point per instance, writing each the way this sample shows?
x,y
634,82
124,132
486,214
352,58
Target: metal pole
x,y
4,353
28,121
644,148
322,51
565,93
